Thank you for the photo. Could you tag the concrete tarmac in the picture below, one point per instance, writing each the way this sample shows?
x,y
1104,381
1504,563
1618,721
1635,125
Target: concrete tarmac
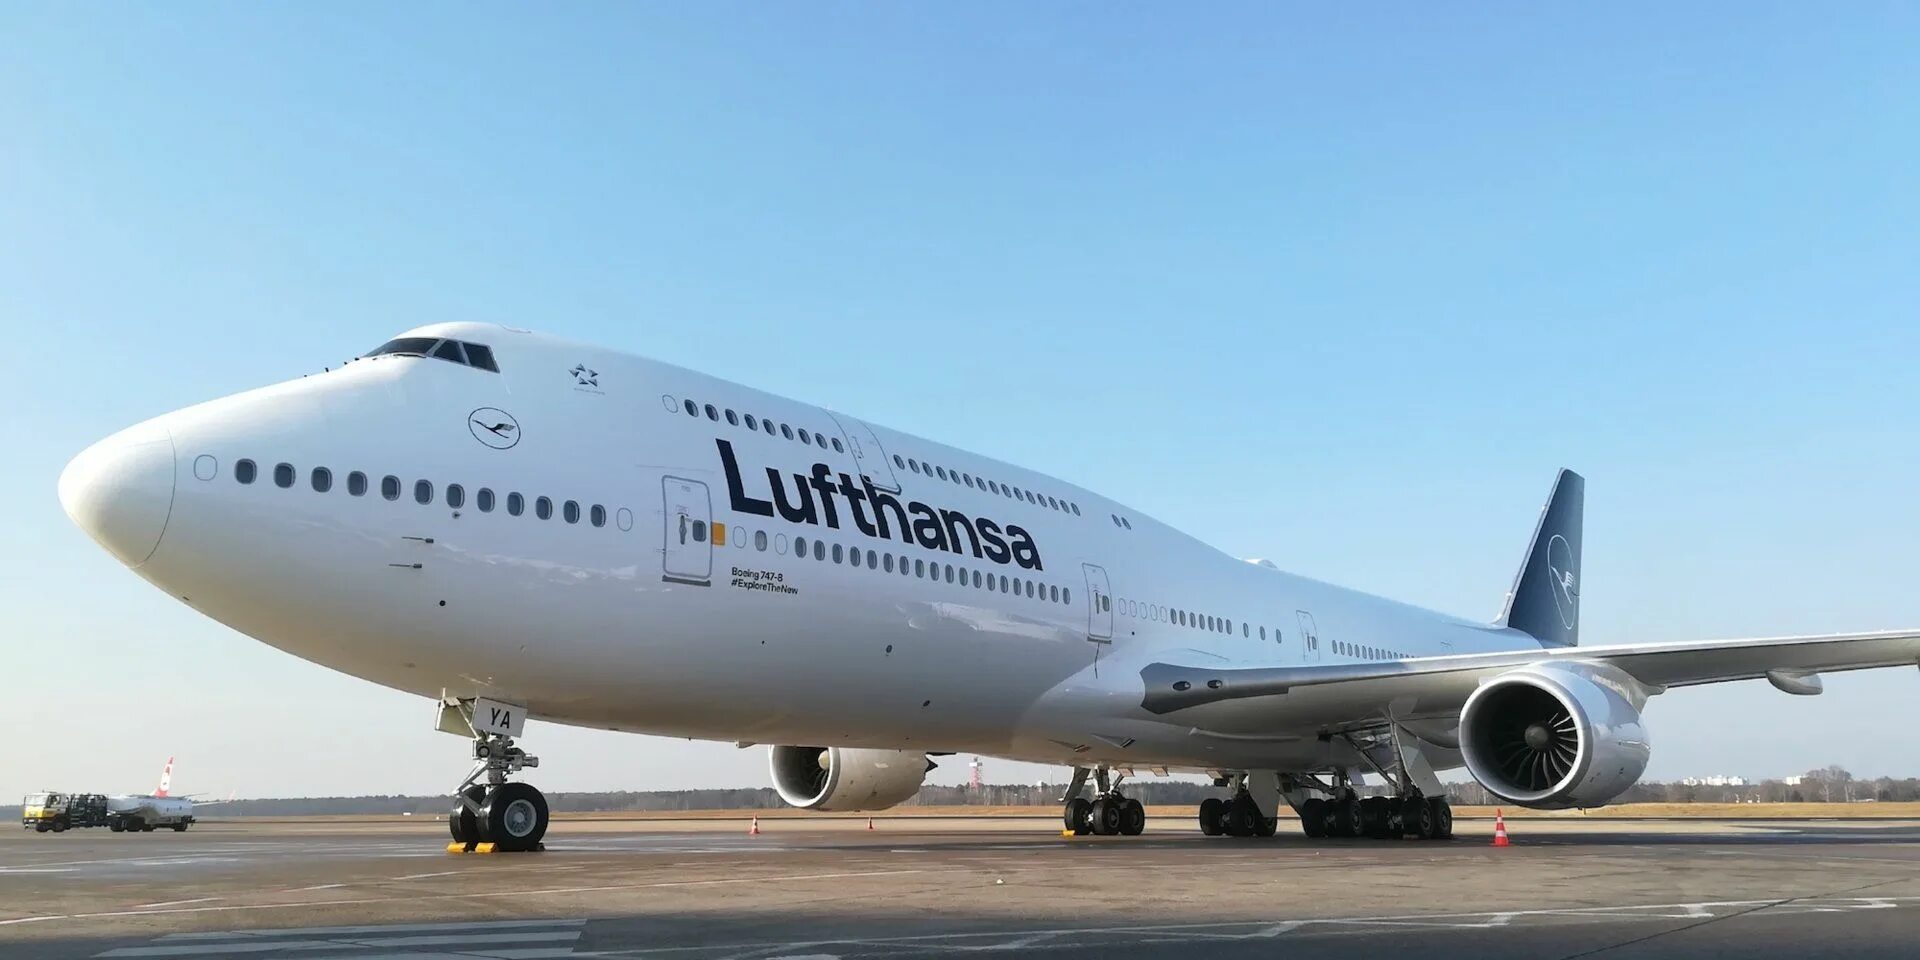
x,y
697,890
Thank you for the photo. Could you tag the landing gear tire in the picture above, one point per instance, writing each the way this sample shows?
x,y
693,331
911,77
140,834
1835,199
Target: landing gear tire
x,y
1266,826
1442,818
1313,818
1343,818
1211,810
1376,816
1077,816
514,818
1416,818
461,823
1109,816
1133,817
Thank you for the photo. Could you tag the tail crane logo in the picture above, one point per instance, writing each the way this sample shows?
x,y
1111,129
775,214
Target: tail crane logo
x,y
1566,586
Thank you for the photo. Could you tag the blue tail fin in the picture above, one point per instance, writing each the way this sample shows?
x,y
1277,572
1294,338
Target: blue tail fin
x,y
1545,599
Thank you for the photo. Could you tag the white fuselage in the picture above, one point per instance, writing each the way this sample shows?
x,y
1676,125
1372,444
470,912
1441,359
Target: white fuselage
x,y
673,603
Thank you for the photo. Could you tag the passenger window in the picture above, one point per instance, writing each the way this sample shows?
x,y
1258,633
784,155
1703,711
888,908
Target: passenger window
x,y
752,424
450,350
481,355
483,498
838,555
712,414
543,508
967,478
902,464
920,568
598,515
322,480
357,483
390,487
1076,508
1066,595
837,448
245,470
805,437
767,425
800,547
733,419
570,511
699,529
786,431
873,559
760,540
283,475
456,496
941,472
886,562
516,504
819,550
692,410
976,579
423,491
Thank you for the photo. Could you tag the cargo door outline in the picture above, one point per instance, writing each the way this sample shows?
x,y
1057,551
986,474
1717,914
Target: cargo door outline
x,y
869,458
1099,604
687,554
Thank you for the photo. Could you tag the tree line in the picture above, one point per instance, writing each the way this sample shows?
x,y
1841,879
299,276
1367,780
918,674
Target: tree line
x,y
1827,784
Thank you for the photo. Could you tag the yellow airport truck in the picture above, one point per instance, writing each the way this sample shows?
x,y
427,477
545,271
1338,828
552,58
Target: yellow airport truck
x,y
43,812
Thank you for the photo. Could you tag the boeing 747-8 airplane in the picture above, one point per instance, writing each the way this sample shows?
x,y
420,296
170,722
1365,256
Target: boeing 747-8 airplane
x,y
515,525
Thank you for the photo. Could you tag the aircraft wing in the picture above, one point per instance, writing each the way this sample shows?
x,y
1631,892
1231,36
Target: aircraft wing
x,y
1792,662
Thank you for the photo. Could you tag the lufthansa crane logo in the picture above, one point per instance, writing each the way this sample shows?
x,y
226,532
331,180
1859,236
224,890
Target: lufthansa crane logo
x,y
494,427
1566,586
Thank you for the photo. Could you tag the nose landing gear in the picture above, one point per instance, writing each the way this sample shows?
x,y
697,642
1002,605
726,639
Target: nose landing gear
x,y
499,815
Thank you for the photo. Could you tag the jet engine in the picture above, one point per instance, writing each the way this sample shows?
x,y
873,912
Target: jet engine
x,y
843,778
1554,736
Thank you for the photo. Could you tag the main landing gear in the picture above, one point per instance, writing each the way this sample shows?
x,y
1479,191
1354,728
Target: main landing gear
x,y
510,816
1344,813
1108,814
1236,816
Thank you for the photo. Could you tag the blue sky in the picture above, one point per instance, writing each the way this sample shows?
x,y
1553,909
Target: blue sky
x,y
1341,288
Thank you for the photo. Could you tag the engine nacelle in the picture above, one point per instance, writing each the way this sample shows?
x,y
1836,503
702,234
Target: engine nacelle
x,y
843,778
1557,735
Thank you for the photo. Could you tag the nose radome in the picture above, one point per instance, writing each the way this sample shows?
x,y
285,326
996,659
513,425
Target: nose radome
x,y
120,491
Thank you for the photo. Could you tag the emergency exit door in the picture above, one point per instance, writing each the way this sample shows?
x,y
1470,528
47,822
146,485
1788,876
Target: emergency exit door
x,y
1099,605
688,557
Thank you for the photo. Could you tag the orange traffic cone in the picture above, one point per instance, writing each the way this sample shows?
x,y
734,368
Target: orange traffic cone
x,y
1500,829
754,829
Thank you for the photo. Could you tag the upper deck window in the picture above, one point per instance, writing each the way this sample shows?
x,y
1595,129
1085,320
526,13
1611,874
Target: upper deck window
x,y
476,355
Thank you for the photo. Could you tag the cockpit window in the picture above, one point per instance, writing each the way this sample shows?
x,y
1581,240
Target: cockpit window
x,y
477,355
480,355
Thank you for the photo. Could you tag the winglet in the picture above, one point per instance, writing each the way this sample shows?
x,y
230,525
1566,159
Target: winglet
x,y
1545,599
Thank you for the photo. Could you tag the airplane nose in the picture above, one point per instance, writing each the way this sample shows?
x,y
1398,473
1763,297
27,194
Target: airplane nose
x,y
120,491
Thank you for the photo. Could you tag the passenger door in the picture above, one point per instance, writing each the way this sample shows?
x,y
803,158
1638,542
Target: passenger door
x,y
868,456
688,557
1099,605
1309,637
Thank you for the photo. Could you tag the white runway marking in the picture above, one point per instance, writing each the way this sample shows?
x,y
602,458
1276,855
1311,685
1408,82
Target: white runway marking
x,y
175,903
1026,941
496,940
423,876
424,898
